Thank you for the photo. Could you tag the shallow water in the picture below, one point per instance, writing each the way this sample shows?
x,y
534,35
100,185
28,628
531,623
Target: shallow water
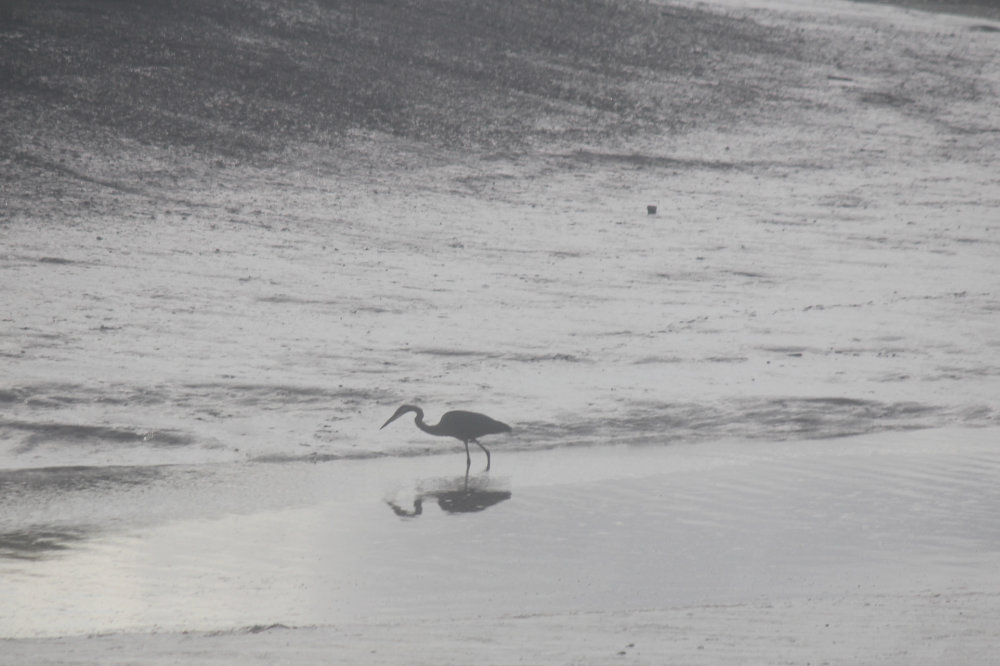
x,y
618,528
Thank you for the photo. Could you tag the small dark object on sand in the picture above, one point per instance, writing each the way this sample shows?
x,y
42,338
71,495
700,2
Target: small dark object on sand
x,y
651,210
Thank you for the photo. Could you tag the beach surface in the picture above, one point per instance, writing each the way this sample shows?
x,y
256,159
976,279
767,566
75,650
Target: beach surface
x,y
759,426
873,549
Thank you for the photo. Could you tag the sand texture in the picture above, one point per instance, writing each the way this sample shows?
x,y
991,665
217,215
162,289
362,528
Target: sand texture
x,y
759,426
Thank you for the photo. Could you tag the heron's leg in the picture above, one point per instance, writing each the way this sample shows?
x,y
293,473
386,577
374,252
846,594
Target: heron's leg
x,y
468,458
487,453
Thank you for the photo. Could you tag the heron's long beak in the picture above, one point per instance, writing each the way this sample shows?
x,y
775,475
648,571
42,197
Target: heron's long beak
x,y
405,409
392,418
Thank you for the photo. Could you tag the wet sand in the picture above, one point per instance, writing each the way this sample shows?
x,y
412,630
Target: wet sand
x,y
758,427
878,549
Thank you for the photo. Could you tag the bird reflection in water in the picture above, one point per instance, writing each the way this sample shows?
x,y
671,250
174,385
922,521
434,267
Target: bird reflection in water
x,y
456,495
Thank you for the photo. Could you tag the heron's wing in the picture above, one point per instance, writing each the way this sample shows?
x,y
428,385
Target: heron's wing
x,y
469,425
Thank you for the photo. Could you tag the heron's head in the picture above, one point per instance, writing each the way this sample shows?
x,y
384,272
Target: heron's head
x,y
404,410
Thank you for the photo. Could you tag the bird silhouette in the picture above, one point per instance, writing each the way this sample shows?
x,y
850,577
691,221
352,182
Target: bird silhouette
x,y
464,426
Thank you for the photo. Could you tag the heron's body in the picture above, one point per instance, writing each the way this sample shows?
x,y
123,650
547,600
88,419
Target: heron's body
x,y
464,426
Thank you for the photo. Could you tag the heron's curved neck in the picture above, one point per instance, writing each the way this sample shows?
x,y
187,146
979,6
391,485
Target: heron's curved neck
x,y
419,420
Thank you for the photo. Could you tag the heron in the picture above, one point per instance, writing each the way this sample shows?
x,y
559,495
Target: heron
x,y
464,426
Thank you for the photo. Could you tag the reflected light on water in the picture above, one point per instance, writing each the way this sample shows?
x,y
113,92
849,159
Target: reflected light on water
x,y
608,528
